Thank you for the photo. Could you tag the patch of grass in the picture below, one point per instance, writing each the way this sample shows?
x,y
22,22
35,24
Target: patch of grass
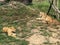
x,y
25,31
7,40
48,43
24,42
42,6
22,13
46,33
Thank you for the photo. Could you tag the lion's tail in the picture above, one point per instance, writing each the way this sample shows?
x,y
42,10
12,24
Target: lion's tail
x,y
56,22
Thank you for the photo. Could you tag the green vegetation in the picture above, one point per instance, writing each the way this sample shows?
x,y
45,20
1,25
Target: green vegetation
x,y
5,40
42,6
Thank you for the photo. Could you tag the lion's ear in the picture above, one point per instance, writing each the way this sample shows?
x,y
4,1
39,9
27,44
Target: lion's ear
x,y
42,13
12,27
5,29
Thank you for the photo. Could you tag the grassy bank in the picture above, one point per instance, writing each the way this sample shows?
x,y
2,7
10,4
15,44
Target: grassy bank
x,y
16,15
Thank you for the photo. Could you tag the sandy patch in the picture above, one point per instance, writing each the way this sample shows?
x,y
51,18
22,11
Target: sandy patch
x,y
36,39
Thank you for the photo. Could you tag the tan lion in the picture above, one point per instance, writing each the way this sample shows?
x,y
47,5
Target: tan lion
x,y
10,31
48,19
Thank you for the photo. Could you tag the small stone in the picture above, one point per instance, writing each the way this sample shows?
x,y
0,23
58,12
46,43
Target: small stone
x,y
54,35
35,30
53,40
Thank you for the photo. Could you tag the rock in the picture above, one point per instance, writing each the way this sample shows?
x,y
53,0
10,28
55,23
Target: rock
x,y
52,29
53,40
54,35
36,39
35,31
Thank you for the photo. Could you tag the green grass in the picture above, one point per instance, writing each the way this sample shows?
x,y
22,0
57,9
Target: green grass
x,y
42,6
5,40
22,14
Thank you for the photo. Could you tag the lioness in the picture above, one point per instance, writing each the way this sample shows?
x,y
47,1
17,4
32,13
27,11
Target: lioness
x,y
10,31
48,19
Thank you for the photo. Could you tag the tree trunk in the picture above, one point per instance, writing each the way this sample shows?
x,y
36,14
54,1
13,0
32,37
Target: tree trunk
x,y
56,8
51,3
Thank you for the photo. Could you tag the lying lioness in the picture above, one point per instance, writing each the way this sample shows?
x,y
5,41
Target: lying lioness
x,y
48,19
10,31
